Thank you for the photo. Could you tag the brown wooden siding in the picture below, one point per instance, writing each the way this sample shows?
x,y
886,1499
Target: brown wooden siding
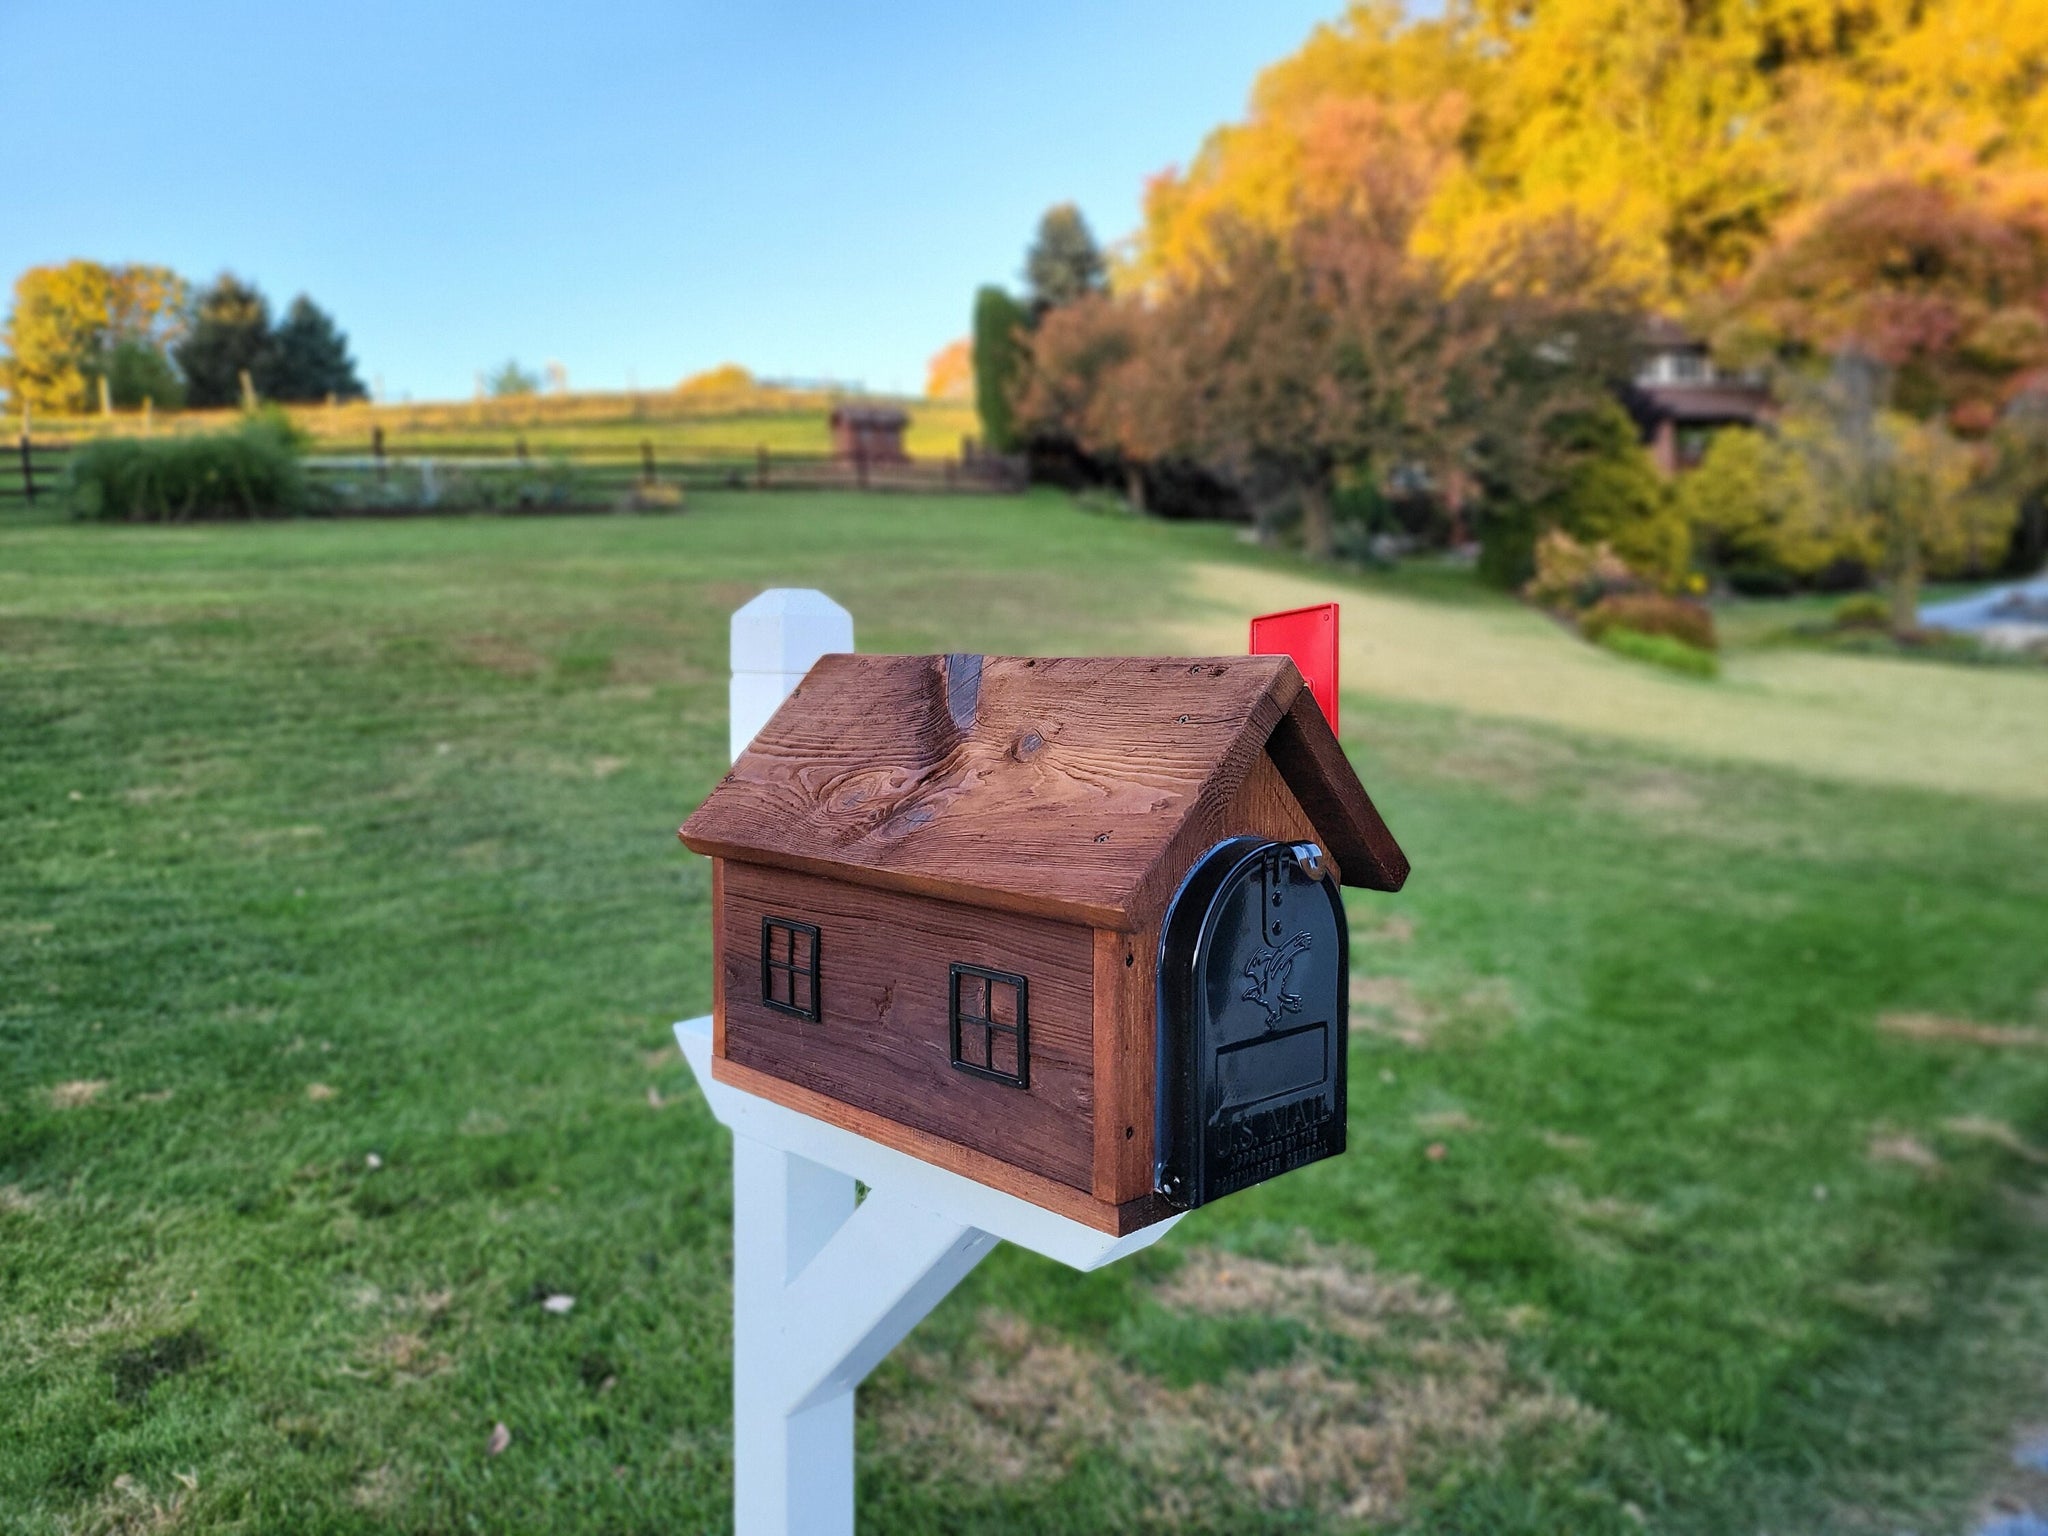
x,y
883,1043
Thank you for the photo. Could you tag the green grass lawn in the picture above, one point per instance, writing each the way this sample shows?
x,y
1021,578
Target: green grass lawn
x,y
342,923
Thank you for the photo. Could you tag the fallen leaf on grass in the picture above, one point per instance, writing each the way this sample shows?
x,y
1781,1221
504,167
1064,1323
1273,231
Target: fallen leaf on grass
x,y
558,1304
1998,1133
1910,1150
1934,1026
500,1438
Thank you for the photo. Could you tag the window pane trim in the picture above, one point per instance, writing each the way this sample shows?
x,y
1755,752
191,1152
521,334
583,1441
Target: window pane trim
x,y
990,1024
789,952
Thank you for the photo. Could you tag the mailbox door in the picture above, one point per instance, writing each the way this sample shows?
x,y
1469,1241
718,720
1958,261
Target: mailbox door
x,y
1253,1020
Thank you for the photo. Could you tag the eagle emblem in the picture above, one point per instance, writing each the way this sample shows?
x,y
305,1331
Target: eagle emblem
x,y
1267,973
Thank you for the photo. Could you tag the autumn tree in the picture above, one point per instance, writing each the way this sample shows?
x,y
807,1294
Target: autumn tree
x,y
1943,285
1097,377
230,338
1686,134
1905,481
950,373
1064,263
70,321
309,358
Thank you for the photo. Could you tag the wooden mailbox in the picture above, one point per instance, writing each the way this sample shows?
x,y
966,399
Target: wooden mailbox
x,y
1065,926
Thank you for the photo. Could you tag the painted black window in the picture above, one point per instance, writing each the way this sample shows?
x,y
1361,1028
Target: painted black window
x,y
789,967
991,1025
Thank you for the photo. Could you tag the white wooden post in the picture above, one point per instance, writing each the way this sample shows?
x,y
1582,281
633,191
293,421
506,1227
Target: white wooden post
x,y
824,1286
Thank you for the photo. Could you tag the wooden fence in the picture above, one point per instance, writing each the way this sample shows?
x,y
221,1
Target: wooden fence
x,y
32,472
378,482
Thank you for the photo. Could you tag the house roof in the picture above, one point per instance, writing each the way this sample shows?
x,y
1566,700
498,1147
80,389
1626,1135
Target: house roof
x,y
869,416
1078,788
1703,404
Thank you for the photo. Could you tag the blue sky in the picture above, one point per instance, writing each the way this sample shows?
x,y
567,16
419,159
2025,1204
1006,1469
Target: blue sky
x,y
637,190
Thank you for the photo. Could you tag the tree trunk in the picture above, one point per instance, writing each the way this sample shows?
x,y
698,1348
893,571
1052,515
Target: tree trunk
x,y
1318,535
1903,559
1134,486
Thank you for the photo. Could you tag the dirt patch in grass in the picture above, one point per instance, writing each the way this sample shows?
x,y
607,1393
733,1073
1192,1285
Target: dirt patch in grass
x,y
499,654
1942,1028
16,1201
77,1094
1391,1008
1320,1434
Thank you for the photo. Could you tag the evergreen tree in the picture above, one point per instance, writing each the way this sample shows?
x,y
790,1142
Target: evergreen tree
x,y
231,334
309,359
998,365
1064,262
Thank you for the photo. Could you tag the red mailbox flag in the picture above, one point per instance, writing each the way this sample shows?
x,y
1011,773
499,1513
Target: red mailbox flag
x,y
1309,635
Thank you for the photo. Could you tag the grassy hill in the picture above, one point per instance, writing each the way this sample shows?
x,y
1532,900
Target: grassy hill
x,y
1699,1168
678,423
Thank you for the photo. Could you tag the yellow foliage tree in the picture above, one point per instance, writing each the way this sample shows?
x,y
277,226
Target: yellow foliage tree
x,y
1680,132
67,320
725,379
950,374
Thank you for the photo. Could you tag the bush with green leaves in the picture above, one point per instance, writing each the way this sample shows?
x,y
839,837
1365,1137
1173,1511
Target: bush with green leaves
x,y
1661,651
1863,610
1572,577
1652,613
252,472
1606,492
1759,516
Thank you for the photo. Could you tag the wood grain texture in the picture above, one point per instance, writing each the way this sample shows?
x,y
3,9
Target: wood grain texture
x,y
1062,1199
1126,972
1073,789
717,957
1266,807
1127,997
1313,763
883,1042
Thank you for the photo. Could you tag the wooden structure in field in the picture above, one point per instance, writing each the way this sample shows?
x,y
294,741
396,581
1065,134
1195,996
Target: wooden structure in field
x,y
869,434
1065,926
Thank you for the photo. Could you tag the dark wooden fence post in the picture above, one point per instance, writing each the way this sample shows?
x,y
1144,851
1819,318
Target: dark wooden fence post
x,y
28,471
860,462
646,462
377,450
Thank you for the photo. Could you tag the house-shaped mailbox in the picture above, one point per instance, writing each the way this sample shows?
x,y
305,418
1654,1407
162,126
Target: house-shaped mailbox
x,y
1066,926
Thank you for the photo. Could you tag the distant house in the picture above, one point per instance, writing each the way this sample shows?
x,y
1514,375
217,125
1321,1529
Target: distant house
x,y
869,434
1680,398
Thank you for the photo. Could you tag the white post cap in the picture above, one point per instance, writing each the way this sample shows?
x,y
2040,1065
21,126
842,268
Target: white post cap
x,y
785,629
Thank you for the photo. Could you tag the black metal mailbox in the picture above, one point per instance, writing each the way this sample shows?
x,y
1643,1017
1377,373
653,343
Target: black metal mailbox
x,y
1254,986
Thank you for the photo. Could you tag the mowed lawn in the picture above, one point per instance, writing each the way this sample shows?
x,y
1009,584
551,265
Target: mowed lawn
x,y
1699,1165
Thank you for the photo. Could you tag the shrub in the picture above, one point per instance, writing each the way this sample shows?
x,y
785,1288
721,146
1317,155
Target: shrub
x,y
253,471
1571,576
1651,613
1661,651
1606,492
1863,610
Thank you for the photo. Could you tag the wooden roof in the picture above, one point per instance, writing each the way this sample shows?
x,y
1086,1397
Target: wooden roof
x,y
1079,788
